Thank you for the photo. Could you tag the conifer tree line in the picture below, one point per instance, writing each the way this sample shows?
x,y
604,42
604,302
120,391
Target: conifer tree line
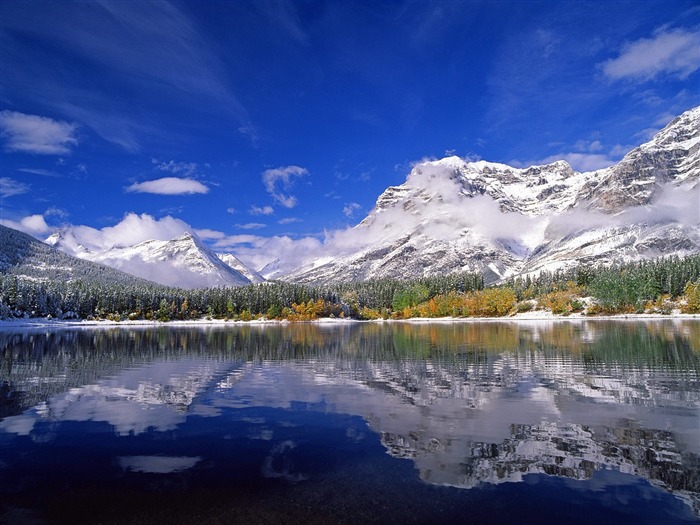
x,y
628,288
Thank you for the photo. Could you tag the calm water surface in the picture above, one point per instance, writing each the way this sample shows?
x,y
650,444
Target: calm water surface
x,y
483,423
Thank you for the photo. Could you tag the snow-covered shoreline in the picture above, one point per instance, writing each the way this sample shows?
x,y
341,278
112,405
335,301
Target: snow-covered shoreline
x,y
12,324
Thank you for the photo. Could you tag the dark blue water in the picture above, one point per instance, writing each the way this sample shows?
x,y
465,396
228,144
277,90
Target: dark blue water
x,y
467,423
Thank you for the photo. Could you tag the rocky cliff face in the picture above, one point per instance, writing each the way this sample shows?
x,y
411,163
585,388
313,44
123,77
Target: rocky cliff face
x,y
452,215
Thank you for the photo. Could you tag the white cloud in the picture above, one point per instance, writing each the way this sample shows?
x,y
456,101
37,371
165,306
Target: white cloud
x,y
257,251
672,52
10,187
188,169
264,210
53,211
207,234
251,226
39,171
350,209
289,220
169,186
581,161
34,134
231,210
282,177
132,229
32,224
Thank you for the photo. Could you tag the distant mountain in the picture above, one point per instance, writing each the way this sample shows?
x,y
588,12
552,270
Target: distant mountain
x,y
185,261
453,215
234,262
26,257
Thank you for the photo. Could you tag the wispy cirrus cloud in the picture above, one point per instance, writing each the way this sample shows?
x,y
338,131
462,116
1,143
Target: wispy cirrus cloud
x,y
350,209
674,52
169,186
170,60
251,226
39,171
10,187
289,220
282,179
35,134
187,169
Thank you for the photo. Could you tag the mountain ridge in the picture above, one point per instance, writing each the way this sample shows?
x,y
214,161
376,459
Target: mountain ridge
x,y
184,261
529,219
453,215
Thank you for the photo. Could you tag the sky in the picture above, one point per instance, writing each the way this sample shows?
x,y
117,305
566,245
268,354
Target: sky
x,y
267,124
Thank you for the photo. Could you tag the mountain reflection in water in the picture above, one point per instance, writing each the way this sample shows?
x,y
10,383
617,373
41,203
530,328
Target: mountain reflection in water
x,y
468,403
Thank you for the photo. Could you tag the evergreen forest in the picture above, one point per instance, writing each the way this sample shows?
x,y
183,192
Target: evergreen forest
x,y
656,286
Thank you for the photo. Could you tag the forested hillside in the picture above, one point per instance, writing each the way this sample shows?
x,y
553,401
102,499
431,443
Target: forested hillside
x,y
23,256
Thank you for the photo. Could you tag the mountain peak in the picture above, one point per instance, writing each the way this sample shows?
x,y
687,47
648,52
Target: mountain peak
x,y
455,215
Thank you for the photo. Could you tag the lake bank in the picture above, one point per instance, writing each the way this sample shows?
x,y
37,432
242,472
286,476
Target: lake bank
x,y
539,315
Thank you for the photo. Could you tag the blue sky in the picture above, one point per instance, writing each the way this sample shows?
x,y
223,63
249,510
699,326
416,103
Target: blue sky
x,y
253,121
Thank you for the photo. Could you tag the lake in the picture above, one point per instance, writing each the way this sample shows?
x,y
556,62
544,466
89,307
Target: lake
x,y
548,422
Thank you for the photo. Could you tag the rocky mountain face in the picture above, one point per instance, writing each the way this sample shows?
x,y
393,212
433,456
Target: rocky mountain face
x,y
453,215
184,262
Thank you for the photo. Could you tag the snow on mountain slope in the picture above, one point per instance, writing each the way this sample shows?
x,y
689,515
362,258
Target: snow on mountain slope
x,y
28,258
183,262
454,215
235,263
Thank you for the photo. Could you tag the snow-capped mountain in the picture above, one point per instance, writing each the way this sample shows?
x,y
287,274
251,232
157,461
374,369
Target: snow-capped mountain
x,y
452,215
185,261
234,262
30,259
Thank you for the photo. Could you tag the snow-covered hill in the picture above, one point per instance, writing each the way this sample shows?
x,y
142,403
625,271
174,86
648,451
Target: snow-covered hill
x,y
185,261
235,263
452,215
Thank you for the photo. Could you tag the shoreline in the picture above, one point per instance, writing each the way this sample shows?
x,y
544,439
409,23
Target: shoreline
x,y
38,322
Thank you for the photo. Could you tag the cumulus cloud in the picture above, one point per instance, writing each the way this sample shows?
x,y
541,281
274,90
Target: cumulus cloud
x,y
261,210
10,187
35,134
674,52
132,229
169,186
282,179
32,224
